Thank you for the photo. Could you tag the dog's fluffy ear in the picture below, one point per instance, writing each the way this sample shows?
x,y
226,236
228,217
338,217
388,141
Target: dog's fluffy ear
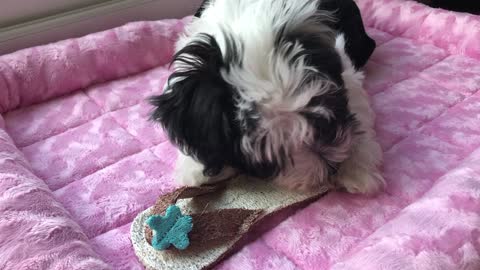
x,y
359,45
197,108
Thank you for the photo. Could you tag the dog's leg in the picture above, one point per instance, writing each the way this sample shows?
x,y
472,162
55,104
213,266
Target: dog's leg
x,y
359,173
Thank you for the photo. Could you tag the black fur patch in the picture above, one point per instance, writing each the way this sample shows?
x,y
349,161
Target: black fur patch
x,y
358,45
201,8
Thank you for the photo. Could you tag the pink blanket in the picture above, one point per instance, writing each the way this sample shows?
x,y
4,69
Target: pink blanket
x,y
78,158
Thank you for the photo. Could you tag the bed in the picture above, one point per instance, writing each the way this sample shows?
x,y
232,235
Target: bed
x,y
79,158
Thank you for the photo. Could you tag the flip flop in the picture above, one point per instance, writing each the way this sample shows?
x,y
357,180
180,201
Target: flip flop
x,y
196,227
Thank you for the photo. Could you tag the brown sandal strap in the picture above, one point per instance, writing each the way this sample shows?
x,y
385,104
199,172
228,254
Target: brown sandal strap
x,y
182,193
208,227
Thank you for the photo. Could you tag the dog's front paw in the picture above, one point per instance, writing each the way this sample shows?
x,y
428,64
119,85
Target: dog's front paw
x,y
189,172
360,172
361,181
189,177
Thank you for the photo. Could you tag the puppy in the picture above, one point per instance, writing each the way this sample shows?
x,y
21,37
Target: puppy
x,y
271,89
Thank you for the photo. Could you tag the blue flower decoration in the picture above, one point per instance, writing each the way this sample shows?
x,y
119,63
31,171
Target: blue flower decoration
x,y
171,229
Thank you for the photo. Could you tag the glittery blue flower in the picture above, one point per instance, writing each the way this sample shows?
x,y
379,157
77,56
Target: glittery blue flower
x,y
171,229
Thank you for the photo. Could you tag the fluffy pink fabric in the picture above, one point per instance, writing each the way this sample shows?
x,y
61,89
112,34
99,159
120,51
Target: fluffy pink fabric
x,y
77,166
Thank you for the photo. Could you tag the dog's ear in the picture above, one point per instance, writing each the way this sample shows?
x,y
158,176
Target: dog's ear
x,y
197,109
358,45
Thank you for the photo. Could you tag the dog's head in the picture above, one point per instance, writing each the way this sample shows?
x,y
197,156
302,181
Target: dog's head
x,y
252,102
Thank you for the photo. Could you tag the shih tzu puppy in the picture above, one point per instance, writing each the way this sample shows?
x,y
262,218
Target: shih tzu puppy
x,y
271,89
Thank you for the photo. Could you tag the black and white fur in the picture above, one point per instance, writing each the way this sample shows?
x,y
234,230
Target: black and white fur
x,y
271,89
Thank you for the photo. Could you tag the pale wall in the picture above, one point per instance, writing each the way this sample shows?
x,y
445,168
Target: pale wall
x,y
16,11
79,22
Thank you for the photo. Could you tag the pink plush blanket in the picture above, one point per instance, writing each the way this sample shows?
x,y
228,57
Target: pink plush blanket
x,y
78,158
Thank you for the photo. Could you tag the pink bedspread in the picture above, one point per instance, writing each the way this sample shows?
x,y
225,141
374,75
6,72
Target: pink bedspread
x,y
78,158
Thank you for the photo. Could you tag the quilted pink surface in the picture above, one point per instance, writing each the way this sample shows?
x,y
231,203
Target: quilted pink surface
x,y
78,158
